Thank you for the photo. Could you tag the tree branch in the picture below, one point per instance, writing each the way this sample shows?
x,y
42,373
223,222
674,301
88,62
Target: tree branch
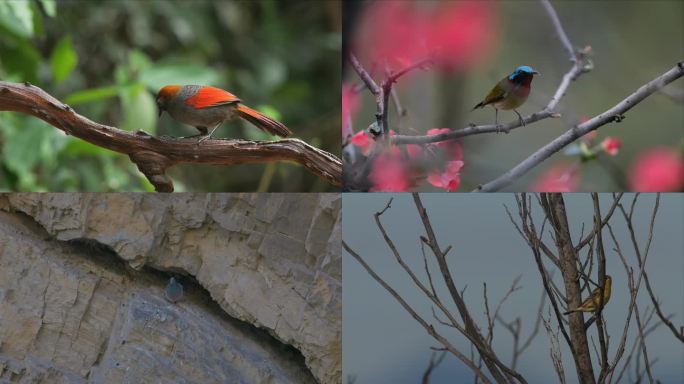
x,y
427,326
615,113
559,29
153,155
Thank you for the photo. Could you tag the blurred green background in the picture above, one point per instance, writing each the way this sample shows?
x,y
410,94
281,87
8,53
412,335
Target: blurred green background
x,y
633,42
107,59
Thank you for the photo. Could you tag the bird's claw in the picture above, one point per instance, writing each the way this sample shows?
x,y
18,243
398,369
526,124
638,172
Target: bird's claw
x,y
203,138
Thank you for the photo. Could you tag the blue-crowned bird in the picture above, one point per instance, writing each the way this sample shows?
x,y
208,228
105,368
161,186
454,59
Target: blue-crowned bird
x,y
511,92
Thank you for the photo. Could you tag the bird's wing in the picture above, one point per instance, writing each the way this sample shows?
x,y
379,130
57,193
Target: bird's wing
x,y
498,93
211,97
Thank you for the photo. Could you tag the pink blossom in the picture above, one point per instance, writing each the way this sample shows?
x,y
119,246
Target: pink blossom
x,y
452,148
611,145
363,141
390,173
350,103
449,178
461,33
559,178
657,170
456,34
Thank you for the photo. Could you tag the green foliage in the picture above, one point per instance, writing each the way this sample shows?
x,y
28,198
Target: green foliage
x,y
63,59
108,60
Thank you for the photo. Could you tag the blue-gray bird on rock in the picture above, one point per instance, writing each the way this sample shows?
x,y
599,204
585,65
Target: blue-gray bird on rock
x,y
173,291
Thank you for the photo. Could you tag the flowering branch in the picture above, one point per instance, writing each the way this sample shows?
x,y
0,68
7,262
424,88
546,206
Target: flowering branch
x,y
614,114
153,155
580,65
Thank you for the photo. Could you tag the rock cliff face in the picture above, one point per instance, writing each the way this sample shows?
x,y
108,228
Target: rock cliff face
x,y
82,279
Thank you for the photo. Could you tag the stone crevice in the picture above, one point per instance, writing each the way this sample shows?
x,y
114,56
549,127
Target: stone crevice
x,y
269,294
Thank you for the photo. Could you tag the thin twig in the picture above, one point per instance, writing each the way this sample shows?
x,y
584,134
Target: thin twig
x,y
559,30
427,326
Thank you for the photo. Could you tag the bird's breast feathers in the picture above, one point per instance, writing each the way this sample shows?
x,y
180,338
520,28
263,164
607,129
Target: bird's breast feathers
x,y
514,96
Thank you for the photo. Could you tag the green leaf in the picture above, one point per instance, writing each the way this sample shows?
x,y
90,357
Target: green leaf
x,y
138,61
78,147
162,74
16,16
50,7
90,95
19,58
140,109
269,111
63,59
19,152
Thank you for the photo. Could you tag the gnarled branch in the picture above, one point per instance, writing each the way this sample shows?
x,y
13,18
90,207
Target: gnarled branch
x,y
153,155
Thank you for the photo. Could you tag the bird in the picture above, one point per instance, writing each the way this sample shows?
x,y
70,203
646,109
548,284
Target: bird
x,y
510,93
173,291
592,302
205,107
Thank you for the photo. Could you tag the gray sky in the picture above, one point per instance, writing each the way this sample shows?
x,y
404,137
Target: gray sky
x,y
382,343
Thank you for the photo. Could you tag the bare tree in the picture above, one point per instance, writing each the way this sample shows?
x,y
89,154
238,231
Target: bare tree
x,y
576,272
581,267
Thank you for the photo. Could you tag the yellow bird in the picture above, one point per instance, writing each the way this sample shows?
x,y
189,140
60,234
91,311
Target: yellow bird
x,y
592,302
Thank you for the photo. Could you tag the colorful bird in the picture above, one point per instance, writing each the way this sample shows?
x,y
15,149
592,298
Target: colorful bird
x,y
208,107
173,291
511,92
592,302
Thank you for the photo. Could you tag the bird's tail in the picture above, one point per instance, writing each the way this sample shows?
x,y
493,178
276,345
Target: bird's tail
x,y
480,105
263,122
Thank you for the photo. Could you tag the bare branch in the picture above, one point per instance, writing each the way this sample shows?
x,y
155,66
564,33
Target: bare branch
x,y
559,30
363,74
556,356
586,240
434,362
628,218
153,155
427,326
422,64
490,359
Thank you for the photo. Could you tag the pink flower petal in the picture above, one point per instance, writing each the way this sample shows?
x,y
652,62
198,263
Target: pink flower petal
x,y
559,178
657,170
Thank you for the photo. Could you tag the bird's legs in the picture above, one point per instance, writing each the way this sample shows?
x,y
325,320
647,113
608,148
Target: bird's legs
x,y
208,136
202,130
496,121
522,122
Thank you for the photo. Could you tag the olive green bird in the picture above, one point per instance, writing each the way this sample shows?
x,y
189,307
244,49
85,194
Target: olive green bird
x,y
592,302
511,92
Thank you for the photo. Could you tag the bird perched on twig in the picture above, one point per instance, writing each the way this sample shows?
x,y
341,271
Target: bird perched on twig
x,y
511,92
173,291
209,107
592,302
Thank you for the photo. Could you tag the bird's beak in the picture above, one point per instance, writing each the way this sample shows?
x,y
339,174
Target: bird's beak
x,y
536,73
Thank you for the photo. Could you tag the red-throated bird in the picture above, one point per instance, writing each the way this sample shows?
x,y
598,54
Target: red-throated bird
x,y
208,107
511,92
